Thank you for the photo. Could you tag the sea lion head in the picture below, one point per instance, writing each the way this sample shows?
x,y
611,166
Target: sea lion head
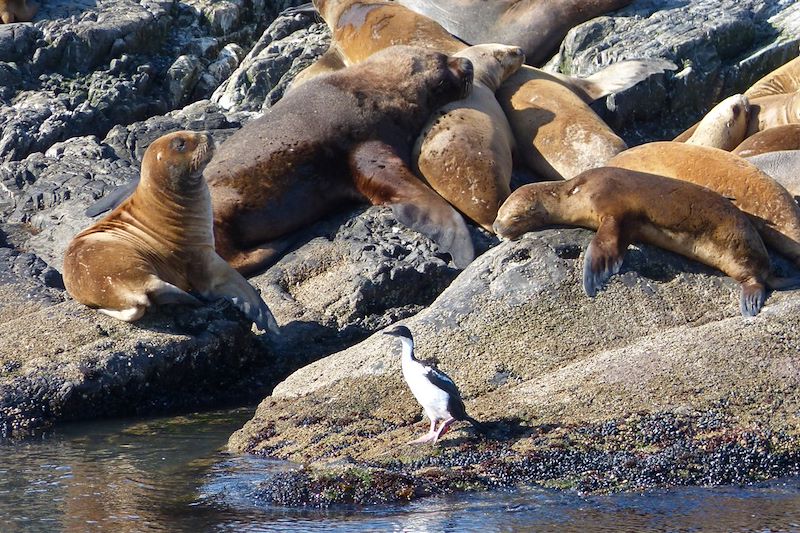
x,y
493,63
523,211
179,158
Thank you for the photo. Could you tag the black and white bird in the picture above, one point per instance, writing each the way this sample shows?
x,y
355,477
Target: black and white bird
x,y
433,389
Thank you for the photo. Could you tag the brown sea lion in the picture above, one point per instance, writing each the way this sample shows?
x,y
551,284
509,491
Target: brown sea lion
x,y
725,126
536,26
626,206
17,11
465,151
558,135
360,28
782,80
158,244
786,137
343,136
771,208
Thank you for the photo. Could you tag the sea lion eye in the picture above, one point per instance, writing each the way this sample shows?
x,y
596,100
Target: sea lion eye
x,y
179,145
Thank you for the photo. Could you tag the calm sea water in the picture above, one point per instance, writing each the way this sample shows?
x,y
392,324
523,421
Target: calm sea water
x,y
170,475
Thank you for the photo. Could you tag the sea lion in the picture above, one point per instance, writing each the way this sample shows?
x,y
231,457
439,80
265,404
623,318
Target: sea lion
x,y
558,135
17,11
783,166
339,137
765,112
360,28
771,208
725,126
330,61
786,137
158,244
536,26
782,80
626,206
465,151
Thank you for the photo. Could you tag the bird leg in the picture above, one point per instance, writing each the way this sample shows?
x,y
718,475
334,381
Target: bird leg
x,y
430,435
443,429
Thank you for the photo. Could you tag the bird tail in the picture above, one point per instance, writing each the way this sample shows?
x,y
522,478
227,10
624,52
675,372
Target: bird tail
x,y
479,427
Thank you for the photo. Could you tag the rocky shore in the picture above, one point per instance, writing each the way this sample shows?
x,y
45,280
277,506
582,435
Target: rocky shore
x,y
657,381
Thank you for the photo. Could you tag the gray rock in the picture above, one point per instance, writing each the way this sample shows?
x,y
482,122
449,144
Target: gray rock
x,y
721,47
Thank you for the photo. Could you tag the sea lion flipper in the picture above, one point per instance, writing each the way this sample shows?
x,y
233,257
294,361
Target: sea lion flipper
x,y
620,76
384,178
753,296
603,256
112,199
229,284
163,293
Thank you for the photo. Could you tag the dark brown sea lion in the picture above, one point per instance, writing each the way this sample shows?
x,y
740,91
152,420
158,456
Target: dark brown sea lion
x,y
17,11
536,26
771,208
158,244
343,136
626,206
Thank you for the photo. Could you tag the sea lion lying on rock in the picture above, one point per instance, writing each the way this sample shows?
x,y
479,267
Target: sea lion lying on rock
x,y
17,11
158,245
626,206
340,137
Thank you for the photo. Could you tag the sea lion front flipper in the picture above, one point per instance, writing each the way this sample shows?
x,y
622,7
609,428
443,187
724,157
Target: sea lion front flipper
x,y
112,199
162,293
384,178
307,8
604,255
222,281
753,296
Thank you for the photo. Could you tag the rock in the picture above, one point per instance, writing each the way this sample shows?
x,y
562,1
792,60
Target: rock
x,y
289,45
721,47
532,354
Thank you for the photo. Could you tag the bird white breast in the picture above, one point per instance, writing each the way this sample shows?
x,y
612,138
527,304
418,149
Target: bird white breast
x,y
432,398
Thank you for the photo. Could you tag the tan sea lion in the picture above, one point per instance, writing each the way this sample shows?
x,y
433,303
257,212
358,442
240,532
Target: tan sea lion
x,y
158,244
536,26
340,137
558,135
765,112
725,126
783,166
771,208
786,137
626,206
465,151
782,80
17,11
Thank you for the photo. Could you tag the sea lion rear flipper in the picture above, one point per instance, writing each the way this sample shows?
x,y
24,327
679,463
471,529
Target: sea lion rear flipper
x,y
112,199
222,281
604,255
382,176
620,76
753,296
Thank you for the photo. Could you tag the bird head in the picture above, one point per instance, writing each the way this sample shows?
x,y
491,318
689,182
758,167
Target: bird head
x,y
399,331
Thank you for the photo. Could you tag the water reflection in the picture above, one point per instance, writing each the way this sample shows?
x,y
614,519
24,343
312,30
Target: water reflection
x,y
170,475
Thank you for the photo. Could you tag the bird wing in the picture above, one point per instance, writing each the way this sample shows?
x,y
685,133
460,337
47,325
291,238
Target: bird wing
x,y
455,406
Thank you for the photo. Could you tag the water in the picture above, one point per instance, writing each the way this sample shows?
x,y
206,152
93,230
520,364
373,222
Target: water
x,y
170,474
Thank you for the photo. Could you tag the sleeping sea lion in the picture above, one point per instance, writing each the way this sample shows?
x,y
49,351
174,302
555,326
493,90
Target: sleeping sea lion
x,y
158,244
339,137
626,206
725,126
786,137
782,80
771,208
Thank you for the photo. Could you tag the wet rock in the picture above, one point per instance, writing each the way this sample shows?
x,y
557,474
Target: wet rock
x,y
530,351
720,47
